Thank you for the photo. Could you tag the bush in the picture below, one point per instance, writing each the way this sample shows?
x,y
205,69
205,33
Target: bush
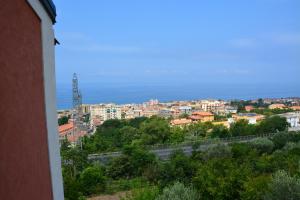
x,y
283,186
241,128
178,192
92,180
179,168
220,131
255,188
272,125
263,145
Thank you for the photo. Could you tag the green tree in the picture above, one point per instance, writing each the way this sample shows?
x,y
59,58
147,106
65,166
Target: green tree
x,y
134,161
241,128
255,188
155,130
92,180
283,186
74,161
272,125
72,188
220,131
177,134
180,167
63,120
221,179
263,145
280,139
128,134
199,129
136,122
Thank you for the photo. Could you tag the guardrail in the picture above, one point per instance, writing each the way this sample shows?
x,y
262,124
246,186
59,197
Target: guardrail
x,y
184,144
209,141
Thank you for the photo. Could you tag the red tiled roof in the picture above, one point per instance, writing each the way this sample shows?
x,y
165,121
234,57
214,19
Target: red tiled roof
x,y
295,107
65,127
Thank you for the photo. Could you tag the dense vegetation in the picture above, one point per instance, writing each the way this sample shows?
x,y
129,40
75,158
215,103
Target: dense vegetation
x,y
259,107
63,120
237,171
114,135
269,112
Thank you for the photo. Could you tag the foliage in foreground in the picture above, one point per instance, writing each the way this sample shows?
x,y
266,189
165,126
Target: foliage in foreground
x,y
283,186
245,171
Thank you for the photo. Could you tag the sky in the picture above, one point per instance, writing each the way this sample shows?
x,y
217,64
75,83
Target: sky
x,y
178,42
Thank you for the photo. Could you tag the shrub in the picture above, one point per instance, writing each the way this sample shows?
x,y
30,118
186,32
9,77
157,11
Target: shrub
x,y
263,145
283,186
92,180
178,192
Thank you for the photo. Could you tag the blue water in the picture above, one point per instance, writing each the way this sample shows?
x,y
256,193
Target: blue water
x,y
120,94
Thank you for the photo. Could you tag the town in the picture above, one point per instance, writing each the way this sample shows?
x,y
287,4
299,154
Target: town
x,y
180,113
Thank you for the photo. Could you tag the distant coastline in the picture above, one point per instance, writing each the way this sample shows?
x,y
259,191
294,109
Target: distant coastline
x,y
142,93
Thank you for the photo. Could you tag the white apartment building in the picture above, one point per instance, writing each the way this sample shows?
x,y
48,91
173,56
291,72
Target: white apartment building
x,y
293,118
105,112
133,113
212,106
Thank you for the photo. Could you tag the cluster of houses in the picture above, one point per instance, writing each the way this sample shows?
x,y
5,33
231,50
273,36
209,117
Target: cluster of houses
x,y
293,118
181,113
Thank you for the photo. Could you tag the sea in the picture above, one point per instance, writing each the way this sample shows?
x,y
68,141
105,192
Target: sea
x,y
130,93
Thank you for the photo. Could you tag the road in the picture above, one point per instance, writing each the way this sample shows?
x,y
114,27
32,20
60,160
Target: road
x,y
164,151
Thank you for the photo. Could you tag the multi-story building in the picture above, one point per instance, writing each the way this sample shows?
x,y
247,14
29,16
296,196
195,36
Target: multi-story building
x,y
202,116
150,113
153,102
85,108
65,131
185,109
71,133
277,106
105,111
133,113
230,110
252,118
212,106
166,113
63,113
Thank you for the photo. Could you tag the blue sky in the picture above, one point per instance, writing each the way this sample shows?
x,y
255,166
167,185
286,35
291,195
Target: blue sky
x,y
171,42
